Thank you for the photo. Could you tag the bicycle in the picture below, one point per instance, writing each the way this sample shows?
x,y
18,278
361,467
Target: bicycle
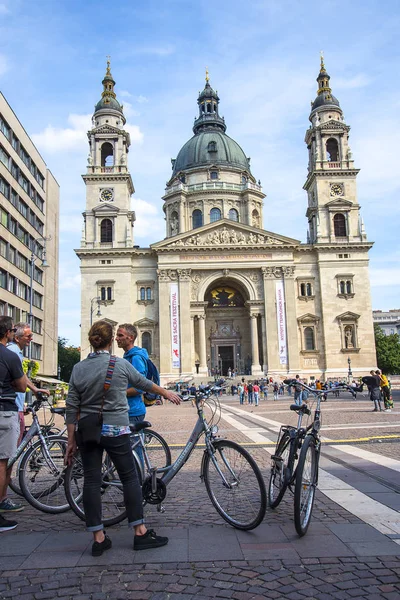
x,y
232,478
301,445
41,464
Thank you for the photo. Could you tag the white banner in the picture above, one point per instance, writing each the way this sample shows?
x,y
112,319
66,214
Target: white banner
x,y
281,317
175,341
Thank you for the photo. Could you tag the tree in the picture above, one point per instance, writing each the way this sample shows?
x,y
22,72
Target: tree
x,y
387,351
68,356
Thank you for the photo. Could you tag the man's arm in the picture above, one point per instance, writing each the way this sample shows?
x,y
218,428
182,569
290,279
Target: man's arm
x,y
20,384
36,390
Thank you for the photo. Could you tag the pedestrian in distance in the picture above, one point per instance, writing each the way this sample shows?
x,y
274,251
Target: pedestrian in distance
x,y
100,382
13,380
385,391
256,392
275,390
373,383
241,393
298,391
250,392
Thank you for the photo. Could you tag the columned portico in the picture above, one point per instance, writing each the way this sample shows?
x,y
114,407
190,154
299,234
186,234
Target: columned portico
x,y
202,344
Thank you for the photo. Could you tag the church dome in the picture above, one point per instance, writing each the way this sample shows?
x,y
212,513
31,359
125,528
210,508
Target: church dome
x,y
210,147
324,92
325,99
108,100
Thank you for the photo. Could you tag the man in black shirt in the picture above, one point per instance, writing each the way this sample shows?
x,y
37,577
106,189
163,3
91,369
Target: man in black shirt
x,y
12,380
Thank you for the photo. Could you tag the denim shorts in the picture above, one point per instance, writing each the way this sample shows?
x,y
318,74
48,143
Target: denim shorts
x,y
9,433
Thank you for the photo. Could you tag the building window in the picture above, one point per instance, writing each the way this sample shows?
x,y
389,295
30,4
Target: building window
x,y
213,174
306,289
197,218
339,225
106,293
212,146
146,341
345,285
36,325
5,128
332,150
106,231
233,214
107,155
37,300
215,215
4,158
3,248
143,293
309,338
3,279
4,188
36,350
148,293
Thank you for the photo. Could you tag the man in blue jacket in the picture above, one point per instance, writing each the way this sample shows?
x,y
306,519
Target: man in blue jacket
x,y
126,336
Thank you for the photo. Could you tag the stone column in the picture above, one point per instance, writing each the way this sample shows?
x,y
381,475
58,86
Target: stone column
x,y
272,353
291,319
255,366
192,335
184,320
182,223
264,343
202,345
164,321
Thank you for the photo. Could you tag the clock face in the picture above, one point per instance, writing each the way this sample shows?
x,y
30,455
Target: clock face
x,y
336,189
106,195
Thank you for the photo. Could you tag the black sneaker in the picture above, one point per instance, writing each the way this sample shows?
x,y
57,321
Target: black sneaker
x,y
6,525
99,547
149,540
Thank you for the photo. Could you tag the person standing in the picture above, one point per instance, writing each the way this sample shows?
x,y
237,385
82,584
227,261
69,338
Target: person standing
x,y
126,337
373,383
385,390
250,392
22,338
12,380
276,390
86,396
298,391
241,393
256,392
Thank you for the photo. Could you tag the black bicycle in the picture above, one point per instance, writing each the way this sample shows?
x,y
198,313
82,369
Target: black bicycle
x,y
295,461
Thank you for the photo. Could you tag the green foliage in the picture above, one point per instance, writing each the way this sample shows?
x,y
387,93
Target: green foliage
x,y
387,351
68,356
32,366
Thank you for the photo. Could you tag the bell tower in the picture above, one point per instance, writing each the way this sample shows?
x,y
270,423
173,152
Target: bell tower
x,y
333,209
108,220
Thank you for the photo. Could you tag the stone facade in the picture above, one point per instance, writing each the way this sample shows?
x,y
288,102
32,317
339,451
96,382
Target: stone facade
x,y
247,299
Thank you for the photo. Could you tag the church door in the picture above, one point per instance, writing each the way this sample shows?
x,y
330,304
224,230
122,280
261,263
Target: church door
x,y
226,359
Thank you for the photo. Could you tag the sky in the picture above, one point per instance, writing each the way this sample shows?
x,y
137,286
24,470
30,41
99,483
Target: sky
x,y
263,58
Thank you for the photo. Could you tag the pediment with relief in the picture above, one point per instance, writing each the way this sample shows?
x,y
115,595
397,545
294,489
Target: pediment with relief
x,y
105,207
227,234
106,129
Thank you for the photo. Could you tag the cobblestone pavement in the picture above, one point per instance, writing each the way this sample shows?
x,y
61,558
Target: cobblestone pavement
x,y
325,564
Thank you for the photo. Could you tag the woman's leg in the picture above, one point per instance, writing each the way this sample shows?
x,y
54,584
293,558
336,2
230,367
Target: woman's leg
x,y
92,455
120,451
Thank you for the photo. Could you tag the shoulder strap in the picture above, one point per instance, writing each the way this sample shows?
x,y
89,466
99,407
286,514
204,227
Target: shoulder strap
x,y
107,381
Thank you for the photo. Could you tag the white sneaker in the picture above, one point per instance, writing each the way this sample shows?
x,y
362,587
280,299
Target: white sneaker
x,y
388,410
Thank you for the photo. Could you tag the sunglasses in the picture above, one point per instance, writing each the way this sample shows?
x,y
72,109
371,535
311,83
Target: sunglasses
x,y
14,330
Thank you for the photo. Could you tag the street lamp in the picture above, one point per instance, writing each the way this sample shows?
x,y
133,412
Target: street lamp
x,y
44,265
349,374
98,314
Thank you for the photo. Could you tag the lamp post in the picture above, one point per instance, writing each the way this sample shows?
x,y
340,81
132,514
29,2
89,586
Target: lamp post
x,y
44,265
349,374
98,314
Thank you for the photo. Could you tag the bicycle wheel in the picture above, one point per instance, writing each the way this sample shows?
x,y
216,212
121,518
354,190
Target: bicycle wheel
x,y
306,481
41,479
280,472
157,449
235,485
112,497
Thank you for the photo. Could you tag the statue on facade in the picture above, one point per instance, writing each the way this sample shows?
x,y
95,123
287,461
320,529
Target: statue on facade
x,y
348,334
174,226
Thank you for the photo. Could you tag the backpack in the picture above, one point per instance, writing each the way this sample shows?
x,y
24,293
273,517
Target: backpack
x,y
152,373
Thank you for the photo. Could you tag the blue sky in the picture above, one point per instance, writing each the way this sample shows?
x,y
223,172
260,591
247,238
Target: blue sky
x,y
263,58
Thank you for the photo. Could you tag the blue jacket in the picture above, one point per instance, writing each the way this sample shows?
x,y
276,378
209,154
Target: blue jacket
x,y
137,357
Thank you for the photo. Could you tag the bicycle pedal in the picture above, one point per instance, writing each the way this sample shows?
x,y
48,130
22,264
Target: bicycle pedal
x,y
160,508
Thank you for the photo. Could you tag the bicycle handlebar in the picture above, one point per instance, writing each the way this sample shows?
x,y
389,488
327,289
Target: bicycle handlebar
x,y
353,390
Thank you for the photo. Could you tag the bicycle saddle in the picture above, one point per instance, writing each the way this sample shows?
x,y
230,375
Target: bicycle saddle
x,y
139,426
303,408
58,411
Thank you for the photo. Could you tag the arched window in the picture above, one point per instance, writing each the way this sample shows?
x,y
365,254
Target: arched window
x,y
109,293
103,293
107,155
342,286
213,174
302,289
215,215
233,215
309,341
339,224
348,287
148,293
106,231
146,341
142,293
208,107
332,150
212,146
309,289
197,218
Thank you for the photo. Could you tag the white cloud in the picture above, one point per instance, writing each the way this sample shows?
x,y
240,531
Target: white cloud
x,y
3,62
135,133
129,111
124,94
149,222
358,81
141,99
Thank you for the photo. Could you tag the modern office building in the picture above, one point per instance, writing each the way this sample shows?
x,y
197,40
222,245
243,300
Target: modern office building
x,y
29,224
388,321
220,292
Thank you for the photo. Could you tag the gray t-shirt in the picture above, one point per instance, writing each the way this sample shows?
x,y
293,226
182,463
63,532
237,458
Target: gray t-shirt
x,y
86,389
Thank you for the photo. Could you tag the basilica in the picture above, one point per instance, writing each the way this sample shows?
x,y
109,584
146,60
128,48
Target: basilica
x,y
219,292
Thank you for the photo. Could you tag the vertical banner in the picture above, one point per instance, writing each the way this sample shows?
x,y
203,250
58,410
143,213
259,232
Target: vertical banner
x,y
175,341
281,317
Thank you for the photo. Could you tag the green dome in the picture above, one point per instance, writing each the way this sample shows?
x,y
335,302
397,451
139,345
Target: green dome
x,y
108,102
210,147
